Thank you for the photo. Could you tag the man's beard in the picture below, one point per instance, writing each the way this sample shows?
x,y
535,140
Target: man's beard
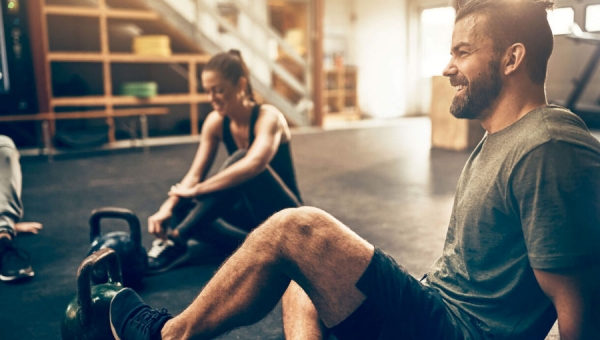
x,y
479,95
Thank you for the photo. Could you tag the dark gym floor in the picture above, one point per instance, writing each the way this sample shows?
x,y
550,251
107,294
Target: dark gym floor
x,y
384,182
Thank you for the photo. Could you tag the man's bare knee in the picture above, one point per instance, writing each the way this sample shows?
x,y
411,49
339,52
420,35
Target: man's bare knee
x,y
270,235
320,253
291,232
295,228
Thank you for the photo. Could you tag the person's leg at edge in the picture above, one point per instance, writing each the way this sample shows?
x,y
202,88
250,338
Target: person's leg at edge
x,y
305,245
11,207
14,263
300,318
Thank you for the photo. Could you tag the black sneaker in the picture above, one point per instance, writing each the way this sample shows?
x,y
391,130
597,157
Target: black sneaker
x,y
132,319
15,264
165,255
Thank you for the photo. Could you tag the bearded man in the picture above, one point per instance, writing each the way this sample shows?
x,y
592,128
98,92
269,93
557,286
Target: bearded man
x,y
522,243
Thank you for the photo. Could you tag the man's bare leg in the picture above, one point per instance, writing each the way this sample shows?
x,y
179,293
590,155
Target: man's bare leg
x,y
300,318
304,244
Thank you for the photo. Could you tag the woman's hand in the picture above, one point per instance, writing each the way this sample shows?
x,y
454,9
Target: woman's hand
x,y
156,223
182,191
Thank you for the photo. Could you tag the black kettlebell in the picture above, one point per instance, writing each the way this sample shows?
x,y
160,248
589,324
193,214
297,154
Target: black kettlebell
x,y
87,316
128,246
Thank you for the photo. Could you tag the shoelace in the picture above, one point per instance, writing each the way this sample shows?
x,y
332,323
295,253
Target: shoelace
x,y
145,320
158,246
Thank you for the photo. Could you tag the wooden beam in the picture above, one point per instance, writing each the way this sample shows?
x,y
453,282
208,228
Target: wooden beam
x,y
72,11
38,38
76,57
132,14
127,57
86,114
162,99
193,83
174,58
102,10
317,14
106,70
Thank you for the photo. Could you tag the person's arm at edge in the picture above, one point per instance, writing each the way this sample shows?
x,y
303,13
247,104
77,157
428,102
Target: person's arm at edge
x,y
575,294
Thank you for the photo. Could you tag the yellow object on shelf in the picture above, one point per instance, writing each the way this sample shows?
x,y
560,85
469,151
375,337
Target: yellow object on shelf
x,y
152,45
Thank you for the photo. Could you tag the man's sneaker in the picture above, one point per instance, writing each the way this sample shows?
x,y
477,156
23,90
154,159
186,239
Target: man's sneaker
x,y
15,264
165,255
132,319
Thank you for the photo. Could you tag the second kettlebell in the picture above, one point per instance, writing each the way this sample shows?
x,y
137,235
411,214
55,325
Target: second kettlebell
x,y
128,246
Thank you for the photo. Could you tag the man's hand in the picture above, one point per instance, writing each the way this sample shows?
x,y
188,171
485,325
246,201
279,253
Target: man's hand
x,y
156,223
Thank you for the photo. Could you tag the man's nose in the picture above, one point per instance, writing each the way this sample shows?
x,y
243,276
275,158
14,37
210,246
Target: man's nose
x,y
450,69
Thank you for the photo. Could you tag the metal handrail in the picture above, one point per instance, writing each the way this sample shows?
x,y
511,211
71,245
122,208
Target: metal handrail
x,y
278,69
191,24
271,33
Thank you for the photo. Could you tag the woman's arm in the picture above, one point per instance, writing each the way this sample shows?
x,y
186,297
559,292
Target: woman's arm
x,y
209,142
269,131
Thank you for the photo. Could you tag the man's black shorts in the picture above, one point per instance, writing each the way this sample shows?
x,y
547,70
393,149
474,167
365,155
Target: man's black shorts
x,y
398,306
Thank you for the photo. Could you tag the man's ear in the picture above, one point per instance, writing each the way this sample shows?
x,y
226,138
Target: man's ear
x,y
514,58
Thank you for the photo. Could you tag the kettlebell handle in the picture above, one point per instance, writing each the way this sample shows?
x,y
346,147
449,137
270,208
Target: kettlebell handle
x,y
84,278
135,229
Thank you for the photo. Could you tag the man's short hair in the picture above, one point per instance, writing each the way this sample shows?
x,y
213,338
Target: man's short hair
x,y
509,22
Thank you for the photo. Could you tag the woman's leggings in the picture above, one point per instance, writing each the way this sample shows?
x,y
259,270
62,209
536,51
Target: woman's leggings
x,y
225,217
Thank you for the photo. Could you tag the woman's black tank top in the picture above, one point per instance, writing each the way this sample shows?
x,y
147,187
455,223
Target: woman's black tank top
x,y
281,163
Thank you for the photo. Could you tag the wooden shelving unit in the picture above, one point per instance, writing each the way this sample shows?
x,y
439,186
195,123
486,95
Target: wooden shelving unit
x,y
105,60
340,95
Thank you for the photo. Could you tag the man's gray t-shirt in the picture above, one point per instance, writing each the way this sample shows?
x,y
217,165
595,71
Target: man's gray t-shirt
x,y
528,197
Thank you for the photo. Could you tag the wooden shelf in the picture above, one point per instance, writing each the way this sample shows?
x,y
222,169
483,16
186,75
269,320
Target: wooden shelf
x,y
75,56
175,58
331,93
341,95
131,14
104,104
162,99
126,57
85,114
71,11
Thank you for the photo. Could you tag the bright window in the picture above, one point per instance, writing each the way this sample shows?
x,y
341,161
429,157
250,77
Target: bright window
x,y
561,19
436,38
592,18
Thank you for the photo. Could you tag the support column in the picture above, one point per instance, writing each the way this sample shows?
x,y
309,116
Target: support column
x,y
317,12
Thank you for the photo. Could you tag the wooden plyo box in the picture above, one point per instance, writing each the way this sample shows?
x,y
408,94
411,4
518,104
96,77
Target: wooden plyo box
x,y
448,132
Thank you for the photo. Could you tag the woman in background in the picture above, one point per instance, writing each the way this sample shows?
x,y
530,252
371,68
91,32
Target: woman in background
x,y
255,181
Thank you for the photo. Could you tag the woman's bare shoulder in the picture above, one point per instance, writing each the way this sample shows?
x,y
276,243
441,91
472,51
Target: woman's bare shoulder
x,y
213,124
272,115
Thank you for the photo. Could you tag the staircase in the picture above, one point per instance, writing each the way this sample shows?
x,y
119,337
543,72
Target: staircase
x,y
203,23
